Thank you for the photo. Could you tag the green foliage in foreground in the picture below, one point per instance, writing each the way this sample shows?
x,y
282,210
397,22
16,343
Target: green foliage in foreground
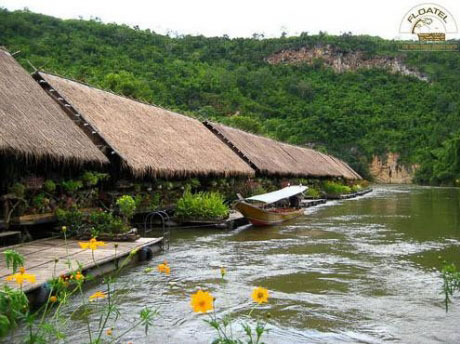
x,y
50,323
451,282
354,115
13,306
202,205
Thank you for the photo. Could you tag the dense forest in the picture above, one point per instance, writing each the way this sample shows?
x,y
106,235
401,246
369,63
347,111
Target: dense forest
x,y
353,114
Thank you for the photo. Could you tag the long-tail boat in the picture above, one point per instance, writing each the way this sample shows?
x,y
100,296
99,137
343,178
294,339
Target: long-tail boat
x,y
268,209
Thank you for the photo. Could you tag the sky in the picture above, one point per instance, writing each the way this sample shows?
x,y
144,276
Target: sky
x,y
240,18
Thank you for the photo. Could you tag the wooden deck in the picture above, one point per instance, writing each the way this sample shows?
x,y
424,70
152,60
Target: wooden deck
x,y
40,258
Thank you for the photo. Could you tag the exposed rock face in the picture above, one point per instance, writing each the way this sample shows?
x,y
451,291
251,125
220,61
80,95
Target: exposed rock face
x,y
388,171
343,61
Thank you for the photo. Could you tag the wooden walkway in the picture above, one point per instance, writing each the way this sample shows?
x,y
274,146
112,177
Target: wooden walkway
x,y
348,196
40,256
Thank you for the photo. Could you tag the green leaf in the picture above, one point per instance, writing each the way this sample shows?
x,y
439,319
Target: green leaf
x,y
14,259
4,325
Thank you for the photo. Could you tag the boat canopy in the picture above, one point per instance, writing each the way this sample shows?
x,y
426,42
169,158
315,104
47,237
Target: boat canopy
x,y
275,196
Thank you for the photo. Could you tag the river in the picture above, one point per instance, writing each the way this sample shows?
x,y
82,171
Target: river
x,y
355,271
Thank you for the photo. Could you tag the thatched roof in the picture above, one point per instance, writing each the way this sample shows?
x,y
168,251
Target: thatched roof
x,y
271,157
348,172
33,126
148,139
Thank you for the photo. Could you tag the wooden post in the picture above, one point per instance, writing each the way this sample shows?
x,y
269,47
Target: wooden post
x,y
6,209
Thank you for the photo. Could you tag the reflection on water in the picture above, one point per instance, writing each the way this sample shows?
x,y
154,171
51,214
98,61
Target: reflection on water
x,y
354,271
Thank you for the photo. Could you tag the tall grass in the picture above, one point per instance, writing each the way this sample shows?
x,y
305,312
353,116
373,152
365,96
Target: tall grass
x,y
202,205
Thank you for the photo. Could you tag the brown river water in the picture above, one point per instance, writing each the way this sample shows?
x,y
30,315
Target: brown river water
x,y
364,270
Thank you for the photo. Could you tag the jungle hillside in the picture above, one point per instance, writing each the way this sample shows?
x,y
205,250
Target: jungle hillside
x,y
356,97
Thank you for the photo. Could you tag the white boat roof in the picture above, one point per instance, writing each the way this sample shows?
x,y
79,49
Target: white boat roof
x,y
275,196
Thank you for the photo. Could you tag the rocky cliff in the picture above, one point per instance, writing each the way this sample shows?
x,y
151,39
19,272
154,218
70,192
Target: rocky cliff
x,y
343,61
389,171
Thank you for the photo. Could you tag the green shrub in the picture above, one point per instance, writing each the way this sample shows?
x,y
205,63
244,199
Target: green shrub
x,y
40,202
72,185
105,222
312,193
147,201
202,205
49,186
98,221
93,178
335,188
18,189
127,206
356,188
73,219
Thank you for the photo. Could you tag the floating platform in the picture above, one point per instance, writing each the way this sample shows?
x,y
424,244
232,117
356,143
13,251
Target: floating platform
x,y
40,257
348,196
363,192
235,220
307,203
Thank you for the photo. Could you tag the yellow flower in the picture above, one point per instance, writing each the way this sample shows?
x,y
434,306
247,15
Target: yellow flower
x,y
64,229
79,276
53,299
21,276
164,268
109,332
223,272
93,244
202,301
260,295
97,295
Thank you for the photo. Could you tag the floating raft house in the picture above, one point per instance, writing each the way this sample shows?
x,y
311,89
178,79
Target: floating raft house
x,y
65,121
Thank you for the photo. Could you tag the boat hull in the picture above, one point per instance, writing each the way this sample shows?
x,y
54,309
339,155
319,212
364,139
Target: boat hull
x,y
261,217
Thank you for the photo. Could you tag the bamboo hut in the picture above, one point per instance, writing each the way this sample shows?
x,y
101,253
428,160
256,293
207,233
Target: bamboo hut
x,y
149,140
270,157
33,127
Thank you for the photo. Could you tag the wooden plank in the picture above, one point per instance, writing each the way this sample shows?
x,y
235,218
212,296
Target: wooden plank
x,y
34,219
15,247
34,246
41,255
9,233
